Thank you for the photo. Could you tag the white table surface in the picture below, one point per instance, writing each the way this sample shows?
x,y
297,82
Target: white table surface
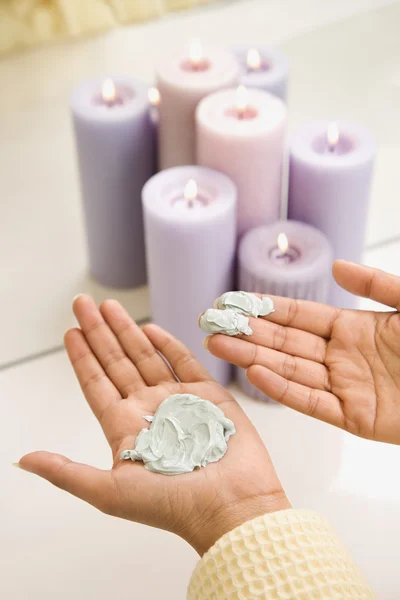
x,y
345,61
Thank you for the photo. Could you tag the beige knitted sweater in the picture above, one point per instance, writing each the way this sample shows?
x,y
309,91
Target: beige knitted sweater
x,y
291,554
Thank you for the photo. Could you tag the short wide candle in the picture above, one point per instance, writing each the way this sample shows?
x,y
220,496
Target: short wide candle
x,y
241,133
183,80
115,141
330,176
190,225
263,67
287,259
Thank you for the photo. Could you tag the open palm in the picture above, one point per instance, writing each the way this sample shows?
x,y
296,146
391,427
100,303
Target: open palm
x,y
339,366
124,378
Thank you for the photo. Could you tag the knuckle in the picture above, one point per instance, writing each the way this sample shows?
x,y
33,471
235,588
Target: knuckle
x,y
279,337
288,367
254,356
113,356
184,360
92,379
312,403
293,309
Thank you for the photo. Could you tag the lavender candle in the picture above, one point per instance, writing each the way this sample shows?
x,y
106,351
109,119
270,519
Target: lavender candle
x,y
115,142
190,226
288,259
329,186
241,133
263,67
183,80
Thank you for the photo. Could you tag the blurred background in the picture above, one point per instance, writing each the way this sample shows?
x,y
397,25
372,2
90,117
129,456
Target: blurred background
x,y
344,61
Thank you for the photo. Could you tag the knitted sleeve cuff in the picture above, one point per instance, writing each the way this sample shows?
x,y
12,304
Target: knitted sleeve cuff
x,y
290,554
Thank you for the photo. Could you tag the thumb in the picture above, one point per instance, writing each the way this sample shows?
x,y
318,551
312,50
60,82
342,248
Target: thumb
x,y
368,282
87,483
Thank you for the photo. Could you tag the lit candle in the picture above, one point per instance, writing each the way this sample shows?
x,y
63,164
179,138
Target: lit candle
x,y
190,226
264,68
154,101
333,137
288,259
115,142
282,253
330,176
241,133
183,81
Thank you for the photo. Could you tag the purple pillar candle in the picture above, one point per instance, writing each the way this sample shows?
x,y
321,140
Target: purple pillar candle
x,y
115,142
329,186
190,226
289,259
263,67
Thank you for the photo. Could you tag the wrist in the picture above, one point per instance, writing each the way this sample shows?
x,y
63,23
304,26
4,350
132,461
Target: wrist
x,y
232,515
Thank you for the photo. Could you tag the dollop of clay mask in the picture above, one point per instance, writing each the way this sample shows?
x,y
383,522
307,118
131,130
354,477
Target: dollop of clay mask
x,y
228,322
187,432
245,303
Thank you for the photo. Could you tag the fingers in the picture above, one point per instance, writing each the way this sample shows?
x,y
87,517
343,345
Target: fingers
x,y
99,391
244,355
186,367
316,403
151,366
368,283
305,315
106,347
88,483
288,340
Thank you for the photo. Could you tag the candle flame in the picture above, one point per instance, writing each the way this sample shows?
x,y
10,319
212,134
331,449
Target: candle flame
x,y
283,243
242,99
190,192
253,59
196,52
108,91
154,96
333,135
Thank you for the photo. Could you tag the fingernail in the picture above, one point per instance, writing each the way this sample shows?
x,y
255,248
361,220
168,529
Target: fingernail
x,y
76,297
16,465
245,373
198,319
206,341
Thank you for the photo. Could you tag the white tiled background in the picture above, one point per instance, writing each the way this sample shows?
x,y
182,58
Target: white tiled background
x,y
345,61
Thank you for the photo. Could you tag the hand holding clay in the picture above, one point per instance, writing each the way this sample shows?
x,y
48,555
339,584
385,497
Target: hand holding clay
x,y
339,366
127,382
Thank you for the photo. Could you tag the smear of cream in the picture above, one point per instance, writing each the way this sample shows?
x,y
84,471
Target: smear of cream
x,y
228,322
186,433
246,303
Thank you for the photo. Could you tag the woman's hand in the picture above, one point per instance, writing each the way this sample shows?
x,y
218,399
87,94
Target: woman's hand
x,y
339,366
124,378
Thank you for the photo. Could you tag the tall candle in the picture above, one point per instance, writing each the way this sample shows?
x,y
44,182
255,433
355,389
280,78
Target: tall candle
x,y
154,108
288,259
183,80
263,67
241,133
330,176
190,225
116,153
